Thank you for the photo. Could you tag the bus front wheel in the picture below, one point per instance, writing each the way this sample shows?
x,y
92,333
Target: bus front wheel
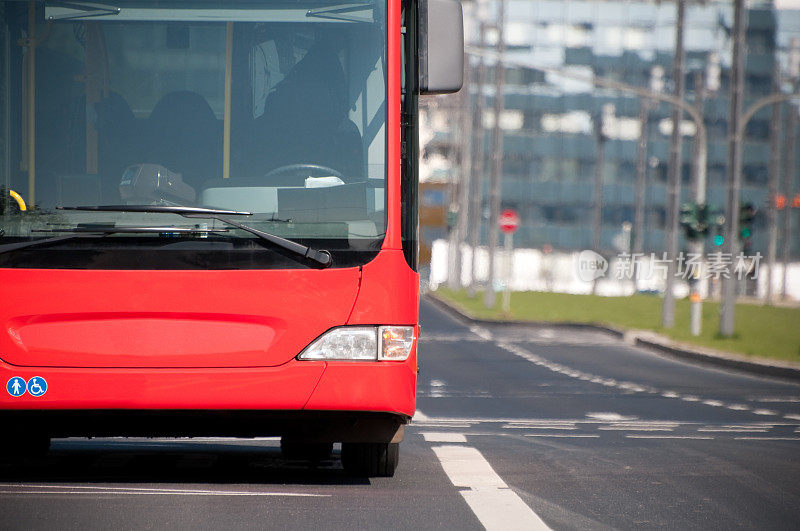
x,y
370,459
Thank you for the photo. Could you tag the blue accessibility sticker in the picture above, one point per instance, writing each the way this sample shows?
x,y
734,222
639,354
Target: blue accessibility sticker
x,y
16,386
37,386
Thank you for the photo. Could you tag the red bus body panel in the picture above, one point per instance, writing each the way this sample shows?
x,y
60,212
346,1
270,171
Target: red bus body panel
x,y
214,340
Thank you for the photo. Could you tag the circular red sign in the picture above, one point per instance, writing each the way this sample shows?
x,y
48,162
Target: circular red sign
x,y
508,221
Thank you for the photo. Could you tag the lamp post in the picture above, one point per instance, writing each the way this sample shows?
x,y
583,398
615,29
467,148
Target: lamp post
x,y
497,156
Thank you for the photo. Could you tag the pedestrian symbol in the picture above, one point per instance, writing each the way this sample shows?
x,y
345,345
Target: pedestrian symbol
x,y
16,386
37,386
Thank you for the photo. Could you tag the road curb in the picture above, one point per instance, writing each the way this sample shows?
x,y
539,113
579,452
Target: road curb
x,y
645,339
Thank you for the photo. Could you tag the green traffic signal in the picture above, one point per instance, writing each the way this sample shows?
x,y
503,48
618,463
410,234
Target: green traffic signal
x,y
719,239
747,215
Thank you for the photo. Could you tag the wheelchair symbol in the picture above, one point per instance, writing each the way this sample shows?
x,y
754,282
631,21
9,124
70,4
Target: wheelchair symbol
x,y
37,386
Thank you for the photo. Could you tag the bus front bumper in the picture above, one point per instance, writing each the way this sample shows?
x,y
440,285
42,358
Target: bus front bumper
x,y
300,397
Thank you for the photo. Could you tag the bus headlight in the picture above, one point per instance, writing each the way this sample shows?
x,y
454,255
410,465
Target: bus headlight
x,y
362,343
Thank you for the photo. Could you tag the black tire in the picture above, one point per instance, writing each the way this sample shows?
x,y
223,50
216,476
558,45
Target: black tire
x,y
305,451
370,459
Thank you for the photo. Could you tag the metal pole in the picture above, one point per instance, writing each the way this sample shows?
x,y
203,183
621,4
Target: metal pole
x,y
497,155
464,211
772,185
699,193
641,185
508,243
788,179
735,134
461,186
476,197
597,195
674,184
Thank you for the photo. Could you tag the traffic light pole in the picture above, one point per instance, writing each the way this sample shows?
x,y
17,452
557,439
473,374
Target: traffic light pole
x,y
699,191
738,125
728,307
788,178
772,193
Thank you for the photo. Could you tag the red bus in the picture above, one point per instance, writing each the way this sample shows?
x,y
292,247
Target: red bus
x,y
208,223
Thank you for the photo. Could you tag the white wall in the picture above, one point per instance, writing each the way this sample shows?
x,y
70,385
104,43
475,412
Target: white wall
x,y
534,270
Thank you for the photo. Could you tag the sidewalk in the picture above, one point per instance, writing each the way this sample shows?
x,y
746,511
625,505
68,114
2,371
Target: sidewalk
x,y
652,340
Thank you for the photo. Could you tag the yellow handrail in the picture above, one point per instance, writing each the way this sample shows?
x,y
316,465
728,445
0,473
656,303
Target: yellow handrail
x,y
18,198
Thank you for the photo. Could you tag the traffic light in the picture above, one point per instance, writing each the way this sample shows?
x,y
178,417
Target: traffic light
x,y
780,202
747,214
696,220
718,221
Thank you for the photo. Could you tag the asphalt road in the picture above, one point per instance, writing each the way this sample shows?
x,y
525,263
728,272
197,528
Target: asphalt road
x,y
517,427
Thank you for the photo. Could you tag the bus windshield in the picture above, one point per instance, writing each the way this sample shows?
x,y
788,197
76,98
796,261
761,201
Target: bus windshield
x,y
274,108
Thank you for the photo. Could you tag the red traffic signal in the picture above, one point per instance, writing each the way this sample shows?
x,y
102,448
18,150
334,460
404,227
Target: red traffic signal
x,y
796,201
780,201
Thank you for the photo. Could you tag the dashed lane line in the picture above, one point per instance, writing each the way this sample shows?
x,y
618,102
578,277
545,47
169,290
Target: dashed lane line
x,y
630,386
695,437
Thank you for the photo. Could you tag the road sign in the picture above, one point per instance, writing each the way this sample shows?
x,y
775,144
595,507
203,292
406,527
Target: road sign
x,y
508,221
37,386
16,386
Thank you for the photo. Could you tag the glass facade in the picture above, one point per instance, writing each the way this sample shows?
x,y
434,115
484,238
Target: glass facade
x,y
553,113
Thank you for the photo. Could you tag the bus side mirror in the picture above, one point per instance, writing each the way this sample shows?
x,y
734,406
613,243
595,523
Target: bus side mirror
x,y
441,46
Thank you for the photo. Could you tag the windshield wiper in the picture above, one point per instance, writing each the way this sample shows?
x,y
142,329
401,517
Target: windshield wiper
x,y
100,231
156,209
131,229
322,258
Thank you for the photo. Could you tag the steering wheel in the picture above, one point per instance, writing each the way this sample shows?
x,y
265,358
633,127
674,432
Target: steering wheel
x,y
293,168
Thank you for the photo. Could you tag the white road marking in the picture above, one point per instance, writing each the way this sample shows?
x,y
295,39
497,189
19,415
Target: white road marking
x,y
449,437
765,412
609,416
697,437
630,386
136,493
767,438
793,417
532,427
734,430
563,435
22,488
496,506
633,428
481,332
